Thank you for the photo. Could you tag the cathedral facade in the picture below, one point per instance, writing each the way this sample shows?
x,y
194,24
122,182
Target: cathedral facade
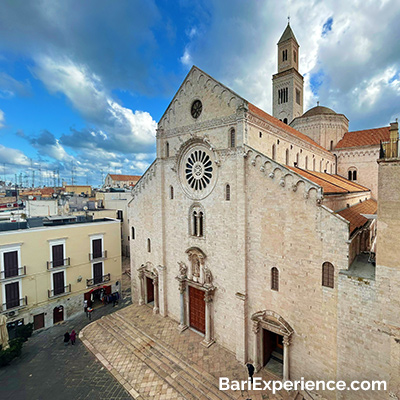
x,y
243,230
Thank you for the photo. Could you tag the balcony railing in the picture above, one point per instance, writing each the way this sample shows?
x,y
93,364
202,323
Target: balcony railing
x,y
390,149
15,304
98,256
15,273
98,280
57,292
58,263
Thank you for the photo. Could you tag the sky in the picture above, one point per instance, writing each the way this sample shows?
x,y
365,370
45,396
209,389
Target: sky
x,y
84,83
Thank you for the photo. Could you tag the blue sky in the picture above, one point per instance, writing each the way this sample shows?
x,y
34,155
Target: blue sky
x,y
82,84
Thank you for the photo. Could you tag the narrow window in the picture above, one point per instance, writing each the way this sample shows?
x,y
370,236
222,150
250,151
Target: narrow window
x,y
294,56
260,135
200,224
10,264
320,166
57,253
354,175
306,163
331,145
274,279
133,233
148,245
273,152
119,215
297,160
12,295
298,96
287,156
313,164
350,175
227,193
285,120
232,138
171,192
328,275
167,149
58,283
194,223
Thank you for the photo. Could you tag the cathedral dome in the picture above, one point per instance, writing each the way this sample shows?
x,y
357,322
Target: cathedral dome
x,y
318,110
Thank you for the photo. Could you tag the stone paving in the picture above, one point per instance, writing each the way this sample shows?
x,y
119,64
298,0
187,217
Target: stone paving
x,y
152,360
49,370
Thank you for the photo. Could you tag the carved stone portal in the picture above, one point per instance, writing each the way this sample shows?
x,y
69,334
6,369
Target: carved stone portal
x,y
147,270
200,277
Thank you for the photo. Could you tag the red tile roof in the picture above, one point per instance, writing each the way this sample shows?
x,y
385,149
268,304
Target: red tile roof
x,y
280,124
366,137
125,177
353,214
331,184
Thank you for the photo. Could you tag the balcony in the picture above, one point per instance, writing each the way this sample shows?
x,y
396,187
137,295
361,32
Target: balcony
x,y
98,280
390,149
12,274
58,264
98,256
58,292
13,305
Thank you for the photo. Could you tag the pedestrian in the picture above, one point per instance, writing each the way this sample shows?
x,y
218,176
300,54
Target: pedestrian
x,y
85,306
66,338
90,310
250,369
73,337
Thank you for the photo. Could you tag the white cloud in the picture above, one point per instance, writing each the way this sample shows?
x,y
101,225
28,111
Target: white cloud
x,y
13,156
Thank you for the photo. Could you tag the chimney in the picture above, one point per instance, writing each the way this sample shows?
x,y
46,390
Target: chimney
x,y
394,130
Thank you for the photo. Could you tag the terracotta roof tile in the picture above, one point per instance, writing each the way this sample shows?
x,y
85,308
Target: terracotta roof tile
x,y
331,184
366,137
125,177
280,124
353,214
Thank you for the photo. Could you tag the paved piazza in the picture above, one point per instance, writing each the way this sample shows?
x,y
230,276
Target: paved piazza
x,y
148,356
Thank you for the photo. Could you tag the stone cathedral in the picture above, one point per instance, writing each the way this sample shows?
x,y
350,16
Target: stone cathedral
x,y
259,232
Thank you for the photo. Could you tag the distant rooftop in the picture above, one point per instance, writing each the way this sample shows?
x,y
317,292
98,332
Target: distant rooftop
x,y
125,177
367,137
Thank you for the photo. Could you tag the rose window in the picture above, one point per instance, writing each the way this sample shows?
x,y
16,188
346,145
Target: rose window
x,y
198,170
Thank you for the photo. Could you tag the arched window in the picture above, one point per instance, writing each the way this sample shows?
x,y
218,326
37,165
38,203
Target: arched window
x,y
133,233
297,160
355,175
306,163
274,279
285,120
328,275
331,145
171,194
232,138
313,164
326,166
294,55
273,152
350,175
260,135
227,193
149,245
167,149
196,221
287,156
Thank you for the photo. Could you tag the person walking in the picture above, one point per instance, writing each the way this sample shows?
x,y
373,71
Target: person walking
x,y
66,338
85,307
250,369
90,310
73,337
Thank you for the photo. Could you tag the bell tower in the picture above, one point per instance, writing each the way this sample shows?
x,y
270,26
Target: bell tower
x,y
287,84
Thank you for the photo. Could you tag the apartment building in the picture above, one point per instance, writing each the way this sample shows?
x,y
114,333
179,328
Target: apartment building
x,y
48,267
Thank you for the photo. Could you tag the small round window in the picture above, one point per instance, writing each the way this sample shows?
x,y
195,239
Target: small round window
x,y
198,170
196,109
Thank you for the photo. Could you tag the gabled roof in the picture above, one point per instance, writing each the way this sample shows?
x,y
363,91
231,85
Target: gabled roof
x,y
287,34
354,214
331,184
367,137
284,126
124,177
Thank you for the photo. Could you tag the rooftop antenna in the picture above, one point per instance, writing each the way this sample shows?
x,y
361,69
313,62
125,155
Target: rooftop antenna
x,y
317,103
288,19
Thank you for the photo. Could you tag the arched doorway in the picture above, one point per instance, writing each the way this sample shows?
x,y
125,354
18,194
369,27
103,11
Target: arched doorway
x,y
272,336
58,314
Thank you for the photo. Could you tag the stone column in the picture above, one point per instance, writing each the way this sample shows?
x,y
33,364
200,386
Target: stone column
x,y
182,288
286,344
208,341
141,289
162,299
155,285
256,356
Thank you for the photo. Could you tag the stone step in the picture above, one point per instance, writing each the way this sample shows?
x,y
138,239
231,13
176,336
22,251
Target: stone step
x,y
169,362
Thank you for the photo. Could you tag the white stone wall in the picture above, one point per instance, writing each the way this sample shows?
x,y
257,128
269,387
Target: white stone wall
x,y
364,159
